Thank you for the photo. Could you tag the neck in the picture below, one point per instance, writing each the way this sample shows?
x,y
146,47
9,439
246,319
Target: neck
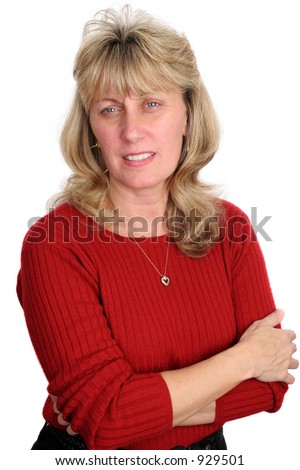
x,y
143,211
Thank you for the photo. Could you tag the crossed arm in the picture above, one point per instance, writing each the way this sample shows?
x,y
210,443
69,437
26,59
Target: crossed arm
x,y
263,352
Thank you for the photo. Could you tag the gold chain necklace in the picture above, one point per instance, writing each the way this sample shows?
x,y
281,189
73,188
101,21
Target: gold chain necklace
x,y
165,280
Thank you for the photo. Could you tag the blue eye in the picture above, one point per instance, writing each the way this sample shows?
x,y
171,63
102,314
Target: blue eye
x,y
109,110
152,104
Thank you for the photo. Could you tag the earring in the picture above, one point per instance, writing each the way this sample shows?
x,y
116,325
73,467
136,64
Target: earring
x,y
96,146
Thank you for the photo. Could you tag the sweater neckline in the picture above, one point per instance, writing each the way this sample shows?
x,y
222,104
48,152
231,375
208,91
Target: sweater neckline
x,y
152,239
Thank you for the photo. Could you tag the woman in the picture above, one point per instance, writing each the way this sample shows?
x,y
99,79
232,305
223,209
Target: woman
x,y
146,297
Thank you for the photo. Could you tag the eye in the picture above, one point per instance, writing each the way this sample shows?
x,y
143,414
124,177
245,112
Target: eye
x,y
152,104
109,110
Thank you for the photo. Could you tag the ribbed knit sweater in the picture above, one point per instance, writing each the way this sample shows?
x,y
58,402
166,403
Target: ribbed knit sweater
x,y
103,326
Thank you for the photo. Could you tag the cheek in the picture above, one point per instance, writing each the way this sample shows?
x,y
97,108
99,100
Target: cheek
x,y
176,136
103,138
178,125
172,130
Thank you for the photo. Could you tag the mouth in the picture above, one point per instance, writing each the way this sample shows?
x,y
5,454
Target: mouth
x,y
139,157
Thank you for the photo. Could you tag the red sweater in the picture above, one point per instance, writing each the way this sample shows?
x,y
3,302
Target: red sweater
x,y
103,326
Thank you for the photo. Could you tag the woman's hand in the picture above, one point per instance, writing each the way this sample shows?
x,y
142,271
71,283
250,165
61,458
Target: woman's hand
x,y
271,349
263,352
60,418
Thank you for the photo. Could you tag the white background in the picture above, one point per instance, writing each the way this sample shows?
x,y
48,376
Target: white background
x,y
248,55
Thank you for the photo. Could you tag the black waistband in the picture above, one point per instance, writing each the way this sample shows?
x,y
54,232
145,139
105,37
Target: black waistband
x,y
53,438
214,441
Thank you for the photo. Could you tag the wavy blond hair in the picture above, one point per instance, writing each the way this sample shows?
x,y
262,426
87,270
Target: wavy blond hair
x,y
132,51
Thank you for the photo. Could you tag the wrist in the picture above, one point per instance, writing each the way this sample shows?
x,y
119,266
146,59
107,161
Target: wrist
x,y
241,361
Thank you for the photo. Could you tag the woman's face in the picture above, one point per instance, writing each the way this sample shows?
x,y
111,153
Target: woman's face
x,y
140,137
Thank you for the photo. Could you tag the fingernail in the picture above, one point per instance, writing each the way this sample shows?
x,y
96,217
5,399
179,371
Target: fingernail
x,y
71,432
61,421
55,409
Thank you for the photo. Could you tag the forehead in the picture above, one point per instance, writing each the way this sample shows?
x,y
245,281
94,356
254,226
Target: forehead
x,y
138,90
117,96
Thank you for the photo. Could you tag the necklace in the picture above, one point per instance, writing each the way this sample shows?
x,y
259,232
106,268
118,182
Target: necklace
x,y
165,280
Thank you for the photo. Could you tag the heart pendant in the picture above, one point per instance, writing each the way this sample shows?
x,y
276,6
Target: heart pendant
x,y
165,280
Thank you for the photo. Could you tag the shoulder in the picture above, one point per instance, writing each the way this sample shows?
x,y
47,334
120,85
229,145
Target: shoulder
x,y
231,210
234,222
237,237
62,225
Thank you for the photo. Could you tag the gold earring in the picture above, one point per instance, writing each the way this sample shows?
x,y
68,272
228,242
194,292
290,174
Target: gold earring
x,y
96,146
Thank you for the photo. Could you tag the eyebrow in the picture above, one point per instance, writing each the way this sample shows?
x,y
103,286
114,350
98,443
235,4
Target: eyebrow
x,y
113,100
140,97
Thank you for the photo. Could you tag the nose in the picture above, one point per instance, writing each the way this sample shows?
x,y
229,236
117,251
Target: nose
x,y
132,128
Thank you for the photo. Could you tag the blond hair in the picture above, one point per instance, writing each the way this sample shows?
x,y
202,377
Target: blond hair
x,y
132,51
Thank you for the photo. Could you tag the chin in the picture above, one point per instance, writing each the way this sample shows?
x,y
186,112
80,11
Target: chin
x,y
147,185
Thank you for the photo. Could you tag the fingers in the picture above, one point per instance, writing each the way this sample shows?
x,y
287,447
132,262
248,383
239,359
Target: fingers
x,y
70,431
60,418
291,335
55,409
294,363
273,349
290,379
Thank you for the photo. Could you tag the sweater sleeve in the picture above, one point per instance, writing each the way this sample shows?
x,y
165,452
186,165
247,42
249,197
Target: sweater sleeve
x,y
252,299
97,390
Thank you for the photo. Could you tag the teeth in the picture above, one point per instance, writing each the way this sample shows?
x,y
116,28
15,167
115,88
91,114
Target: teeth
x,y
137,158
